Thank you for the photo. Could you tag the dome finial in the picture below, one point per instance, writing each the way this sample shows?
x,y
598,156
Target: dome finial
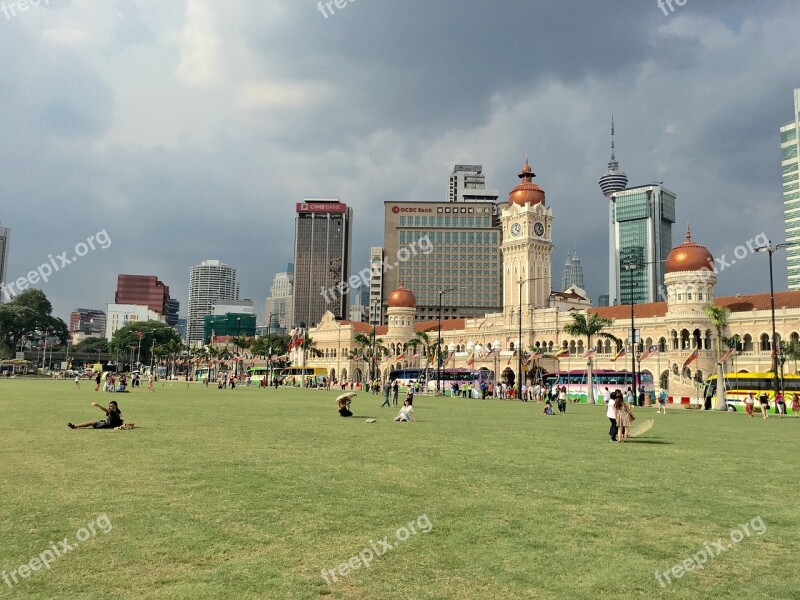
x,y
688,233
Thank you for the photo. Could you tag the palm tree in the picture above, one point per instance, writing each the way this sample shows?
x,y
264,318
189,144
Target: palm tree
x,y
371,347
423,340
792,352
591,325
718,315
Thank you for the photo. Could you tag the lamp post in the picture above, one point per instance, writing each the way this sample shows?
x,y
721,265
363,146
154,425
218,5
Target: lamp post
x,y
631,267
374,321
238,347
269,350
519,341
770,249
139,334
439,343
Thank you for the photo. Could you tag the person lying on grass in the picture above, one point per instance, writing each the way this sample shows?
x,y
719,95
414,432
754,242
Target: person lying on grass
x,y
113,419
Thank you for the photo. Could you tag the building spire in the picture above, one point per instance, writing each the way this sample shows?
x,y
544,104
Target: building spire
x,y
614,180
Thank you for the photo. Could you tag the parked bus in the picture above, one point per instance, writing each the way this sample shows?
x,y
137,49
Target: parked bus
x,y
406,377
461,377
576,382
293,376
201,373
258,375
738,385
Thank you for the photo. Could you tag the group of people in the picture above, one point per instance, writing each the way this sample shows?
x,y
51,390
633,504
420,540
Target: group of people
x,y
763,401
115,384
390,389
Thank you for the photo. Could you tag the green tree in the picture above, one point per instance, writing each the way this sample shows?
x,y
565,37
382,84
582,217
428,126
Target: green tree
x,y
371,348
422,342
27,316
127,336
91,345
792,352
588,326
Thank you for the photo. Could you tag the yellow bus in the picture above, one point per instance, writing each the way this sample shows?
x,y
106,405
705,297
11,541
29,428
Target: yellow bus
x,y
293,376
738,385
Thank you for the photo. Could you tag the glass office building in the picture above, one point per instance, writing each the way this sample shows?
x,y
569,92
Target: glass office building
x,y
641,221
432,246
322,250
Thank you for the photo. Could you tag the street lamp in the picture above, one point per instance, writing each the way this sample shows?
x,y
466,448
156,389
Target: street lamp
x,y
770,249
631,267
439,343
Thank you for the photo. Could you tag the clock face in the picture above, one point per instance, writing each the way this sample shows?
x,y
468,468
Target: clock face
x,y
538,229
516,229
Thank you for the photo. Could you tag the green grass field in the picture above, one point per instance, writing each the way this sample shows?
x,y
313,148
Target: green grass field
x,y
252,493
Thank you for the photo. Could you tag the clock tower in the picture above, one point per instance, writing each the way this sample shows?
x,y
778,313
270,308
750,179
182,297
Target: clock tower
x,y
527,247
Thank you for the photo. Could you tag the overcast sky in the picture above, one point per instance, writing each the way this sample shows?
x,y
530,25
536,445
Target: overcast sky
x,y
188,129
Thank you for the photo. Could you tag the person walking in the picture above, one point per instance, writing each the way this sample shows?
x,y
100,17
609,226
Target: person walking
x,y
395,391
150,384
662,401
796,405
749,404
386,390
97,379
562,400
623,410
77,382
780,405
611,413
763,399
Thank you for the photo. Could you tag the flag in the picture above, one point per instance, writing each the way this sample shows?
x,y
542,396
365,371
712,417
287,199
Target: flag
x,y
590,353
450,356
651,351
299,342
513,355
563,353
727,356
491,351
692,357
619,354
401,357
536,355
471,359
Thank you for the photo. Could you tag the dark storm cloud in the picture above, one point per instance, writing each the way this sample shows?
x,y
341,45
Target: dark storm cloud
x,y
190,134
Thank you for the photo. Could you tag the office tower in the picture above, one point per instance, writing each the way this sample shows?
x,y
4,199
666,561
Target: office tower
x,y
602,300
322,253
376,285
573,273
433,246
5,241
173,312
468,184
229,319
279,303
209,281
145,290
790,143
641,220
88,321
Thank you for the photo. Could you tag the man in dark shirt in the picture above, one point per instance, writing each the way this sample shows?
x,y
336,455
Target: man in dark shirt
x,y
113,418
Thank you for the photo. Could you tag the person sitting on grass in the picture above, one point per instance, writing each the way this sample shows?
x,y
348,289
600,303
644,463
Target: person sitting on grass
x,y
344,407
113,419
406,413
548,408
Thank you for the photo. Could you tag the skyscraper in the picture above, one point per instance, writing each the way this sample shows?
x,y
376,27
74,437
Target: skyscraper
x,y
614,180
5,239
573,273
143,290
790,144
468,184
279,303
89,321
209,281
322,249
641,230
375,285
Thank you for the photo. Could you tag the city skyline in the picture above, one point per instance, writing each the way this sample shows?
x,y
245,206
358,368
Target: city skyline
x,y
214,142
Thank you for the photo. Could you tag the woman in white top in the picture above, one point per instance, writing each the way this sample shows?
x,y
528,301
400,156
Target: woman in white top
x,y
406,413
611,413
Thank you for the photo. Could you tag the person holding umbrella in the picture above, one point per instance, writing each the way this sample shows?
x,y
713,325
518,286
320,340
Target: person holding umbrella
x,y
343,401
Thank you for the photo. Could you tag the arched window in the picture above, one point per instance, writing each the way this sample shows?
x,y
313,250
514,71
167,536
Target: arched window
x,y
662,344
765,346
747,343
